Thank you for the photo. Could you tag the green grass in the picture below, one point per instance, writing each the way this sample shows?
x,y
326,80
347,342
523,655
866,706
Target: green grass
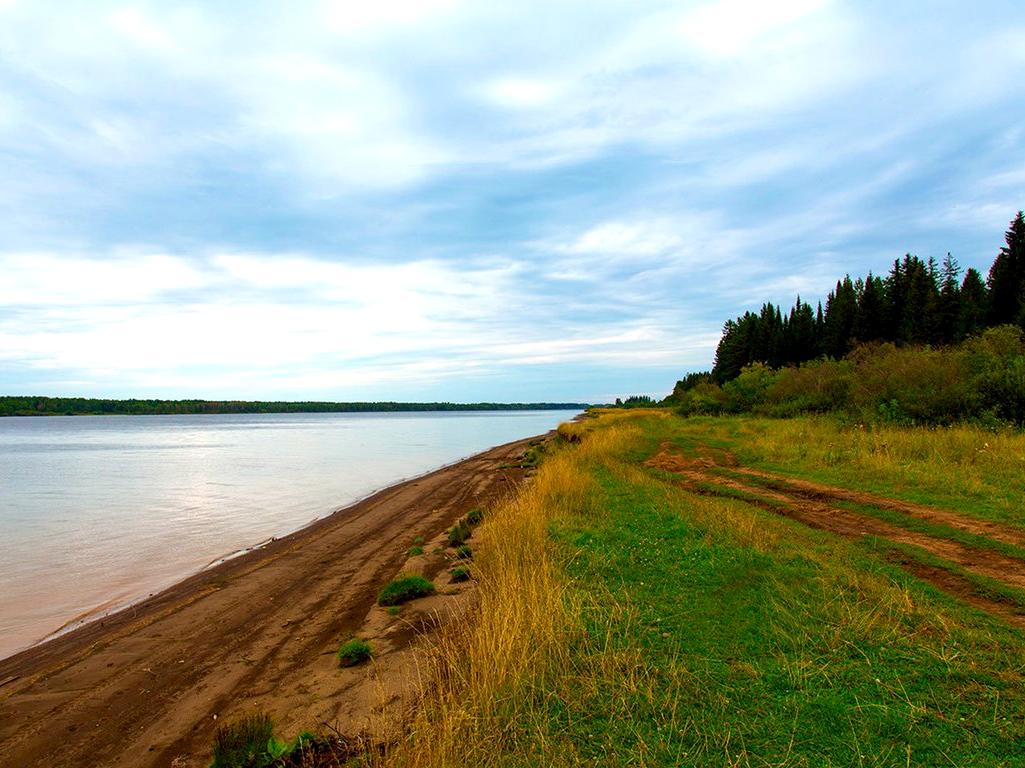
x,y
249,742
474,517
797,653
974,471
414,551
718,633
353,652
464,552
404,589
459,534
459,573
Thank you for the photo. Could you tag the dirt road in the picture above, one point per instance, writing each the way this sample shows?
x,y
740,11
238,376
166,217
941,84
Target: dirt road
x,y
147,686
716,472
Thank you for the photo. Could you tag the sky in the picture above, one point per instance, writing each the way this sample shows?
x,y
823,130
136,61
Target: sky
x,y
468,201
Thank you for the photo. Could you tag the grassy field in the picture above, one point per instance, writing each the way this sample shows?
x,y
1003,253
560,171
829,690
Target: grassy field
x,y
647,601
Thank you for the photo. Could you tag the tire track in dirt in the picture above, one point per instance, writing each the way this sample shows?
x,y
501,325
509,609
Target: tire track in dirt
x,y
142,687
809,504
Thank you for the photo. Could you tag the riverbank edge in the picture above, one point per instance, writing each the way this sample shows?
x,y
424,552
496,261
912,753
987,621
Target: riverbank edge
x,y
59,646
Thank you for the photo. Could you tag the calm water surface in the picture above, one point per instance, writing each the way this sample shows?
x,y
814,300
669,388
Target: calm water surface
x,y
96,511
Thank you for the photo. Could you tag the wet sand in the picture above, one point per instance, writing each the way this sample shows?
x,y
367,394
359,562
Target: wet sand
x,y
142,687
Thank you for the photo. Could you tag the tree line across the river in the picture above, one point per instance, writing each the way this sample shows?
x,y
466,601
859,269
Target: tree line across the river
x,y
74,406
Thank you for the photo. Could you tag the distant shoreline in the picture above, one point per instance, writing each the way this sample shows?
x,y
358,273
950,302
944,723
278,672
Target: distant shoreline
x,y
12,405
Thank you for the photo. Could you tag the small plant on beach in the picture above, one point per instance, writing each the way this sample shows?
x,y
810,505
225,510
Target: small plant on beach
x,y
532,457
414,551
464,552
458,535
475,517
244,742
459,573
353,652
404,589
419,541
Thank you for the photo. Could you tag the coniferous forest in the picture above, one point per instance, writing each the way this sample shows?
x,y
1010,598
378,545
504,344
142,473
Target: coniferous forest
x,y
928,343
918,302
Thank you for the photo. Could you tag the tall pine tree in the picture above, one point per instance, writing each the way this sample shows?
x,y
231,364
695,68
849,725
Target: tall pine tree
x,y
1007,277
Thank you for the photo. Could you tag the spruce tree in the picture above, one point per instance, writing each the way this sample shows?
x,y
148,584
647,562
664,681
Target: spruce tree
x,y
948,311
870,319
841,306
1007,277
974,303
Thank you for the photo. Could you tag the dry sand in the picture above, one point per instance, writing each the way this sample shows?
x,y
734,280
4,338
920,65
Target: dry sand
x,y
148,686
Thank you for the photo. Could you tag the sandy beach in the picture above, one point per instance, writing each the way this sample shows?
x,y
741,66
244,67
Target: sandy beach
x,y
148,685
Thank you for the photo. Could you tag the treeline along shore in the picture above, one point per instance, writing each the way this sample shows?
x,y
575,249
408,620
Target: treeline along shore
x,y
921,346
85,406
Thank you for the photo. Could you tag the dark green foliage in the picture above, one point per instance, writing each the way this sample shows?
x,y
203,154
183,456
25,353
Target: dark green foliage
x,y
414,551
918,302
353,652
464,552
1007,277
69,406
459,534
689,382
635,401
982,380
475,517
974,303
460,573
404,589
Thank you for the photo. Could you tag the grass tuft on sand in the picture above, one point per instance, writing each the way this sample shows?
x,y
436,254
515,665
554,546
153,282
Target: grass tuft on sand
x,y
404,589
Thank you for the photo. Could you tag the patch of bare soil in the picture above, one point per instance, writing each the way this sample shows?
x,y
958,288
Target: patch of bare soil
x,y
149,685
810,504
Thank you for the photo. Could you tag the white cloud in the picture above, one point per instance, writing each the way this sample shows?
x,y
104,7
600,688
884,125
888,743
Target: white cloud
x,y
359,17
732,27
522,92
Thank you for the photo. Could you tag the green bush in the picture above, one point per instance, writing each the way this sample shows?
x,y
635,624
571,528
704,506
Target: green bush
x,y
245,742
464,552
404,589
414,551
982,380
353,652
475,517
751,388
704,399
459,534
459,573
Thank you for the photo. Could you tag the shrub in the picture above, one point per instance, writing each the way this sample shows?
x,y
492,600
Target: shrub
x,y
419,540
751,388
244,742
404,589
353,652
705,399
414,551
458,535
464,552
532,456
459,573
819,386
475,517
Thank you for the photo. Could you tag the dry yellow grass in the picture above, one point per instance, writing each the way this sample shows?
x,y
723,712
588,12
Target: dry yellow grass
x,y
500,665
